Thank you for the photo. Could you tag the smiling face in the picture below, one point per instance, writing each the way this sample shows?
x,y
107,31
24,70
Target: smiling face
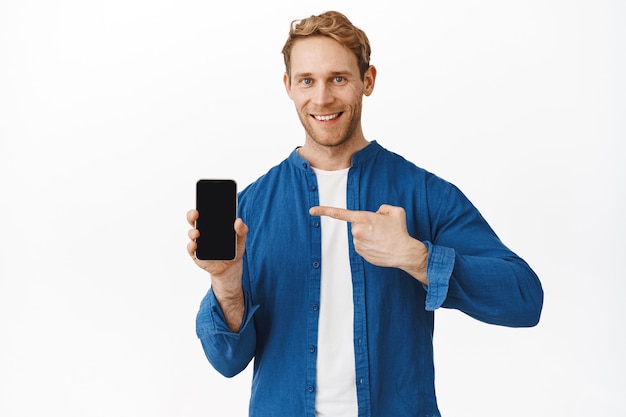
x,y
327,90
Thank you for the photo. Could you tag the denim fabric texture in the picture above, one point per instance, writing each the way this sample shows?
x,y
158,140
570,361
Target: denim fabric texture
x,y
469,269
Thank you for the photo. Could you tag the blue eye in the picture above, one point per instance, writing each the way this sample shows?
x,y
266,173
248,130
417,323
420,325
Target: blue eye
x,y
307,81
339,79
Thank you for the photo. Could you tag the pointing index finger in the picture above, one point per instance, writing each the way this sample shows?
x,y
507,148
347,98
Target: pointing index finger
x,y
334,212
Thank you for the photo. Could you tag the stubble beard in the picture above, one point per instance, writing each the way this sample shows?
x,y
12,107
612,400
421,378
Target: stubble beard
x,y
341,138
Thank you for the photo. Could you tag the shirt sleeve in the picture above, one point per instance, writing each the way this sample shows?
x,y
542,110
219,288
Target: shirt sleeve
x,y
228,352
471,270
439,271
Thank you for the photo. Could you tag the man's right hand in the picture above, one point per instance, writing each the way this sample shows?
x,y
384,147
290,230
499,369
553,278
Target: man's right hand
x,y
217,269
225,275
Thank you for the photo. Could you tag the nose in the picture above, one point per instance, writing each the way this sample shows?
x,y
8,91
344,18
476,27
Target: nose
x,y
322,95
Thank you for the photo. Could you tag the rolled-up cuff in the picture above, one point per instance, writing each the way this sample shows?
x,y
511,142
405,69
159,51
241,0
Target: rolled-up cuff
x,y
438,271
211,320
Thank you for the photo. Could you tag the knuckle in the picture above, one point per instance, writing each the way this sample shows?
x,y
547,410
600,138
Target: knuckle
x,y
358,231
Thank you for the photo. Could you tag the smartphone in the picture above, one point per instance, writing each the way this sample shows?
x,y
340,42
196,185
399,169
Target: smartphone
x,y
216,202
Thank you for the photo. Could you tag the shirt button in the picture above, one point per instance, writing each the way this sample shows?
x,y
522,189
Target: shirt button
x,y
311,389
316,224
316,264
312,349
315,307
305,165
313,188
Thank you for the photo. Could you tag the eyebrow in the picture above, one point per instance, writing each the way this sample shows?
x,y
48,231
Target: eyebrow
x,y
332,74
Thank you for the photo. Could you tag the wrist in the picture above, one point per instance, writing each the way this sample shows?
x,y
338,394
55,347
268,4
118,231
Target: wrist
x,y
415,260
231,301
226,289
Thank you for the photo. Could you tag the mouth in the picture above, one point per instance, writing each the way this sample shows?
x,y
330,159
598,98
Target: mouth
x,y
326,117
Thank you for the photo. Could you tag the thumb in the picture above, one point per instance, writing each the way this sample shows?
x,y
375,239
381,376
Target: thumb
x,y
241,229
393,211
385,209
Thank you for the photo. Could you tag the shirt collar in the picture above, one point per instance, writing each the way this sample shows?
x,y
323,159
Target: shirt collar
x,y
358,158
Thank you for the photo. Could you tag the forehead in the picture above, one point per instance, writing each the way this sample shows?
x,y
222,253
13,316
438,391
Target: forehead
x,y
321,54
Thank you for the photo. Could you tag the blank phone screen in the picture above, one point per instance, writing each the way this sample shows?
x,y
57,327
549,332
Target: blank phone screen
x,y
216,202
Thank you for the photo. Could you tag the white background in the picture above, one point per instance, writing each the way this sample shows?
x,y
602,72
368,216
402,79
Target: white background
x,y
110,111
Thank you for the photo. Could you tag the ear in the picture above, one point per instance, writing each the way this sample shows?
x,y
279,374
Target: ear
x,y
369,80
287,83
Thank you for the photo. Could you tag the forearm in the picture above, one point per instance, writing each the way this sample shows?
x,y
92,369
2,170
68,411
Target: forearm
x,y
499,291
229,352
228,291
232,303
496,290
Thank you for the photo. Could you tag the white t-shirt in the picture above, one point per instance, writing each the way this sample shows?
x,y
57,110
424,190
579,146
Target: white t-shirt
x,y
336,375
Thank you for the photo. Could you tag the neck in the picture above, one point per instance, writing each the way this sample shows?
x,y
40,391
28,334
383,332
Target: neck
x,y
331,158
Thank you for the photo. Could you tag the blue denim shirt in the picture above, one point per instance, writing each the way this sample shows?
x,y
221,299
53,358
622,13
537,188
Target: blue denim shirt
x,y
469,269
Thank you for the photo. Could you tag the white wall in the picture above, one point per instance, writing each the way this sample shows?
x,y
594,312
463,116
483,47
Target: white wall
x,y
110,111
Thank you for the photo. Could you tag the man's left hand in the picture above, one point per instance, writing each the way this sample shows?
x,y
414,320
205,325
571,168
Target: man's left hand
x,y
382,238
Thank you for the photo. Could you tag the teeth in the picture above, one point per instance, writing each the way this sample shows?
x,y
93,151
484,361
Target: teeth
x,y
327,117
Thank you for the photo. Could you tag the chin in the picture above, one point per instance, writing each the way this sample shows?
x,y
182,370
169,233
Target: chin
x,y
330,142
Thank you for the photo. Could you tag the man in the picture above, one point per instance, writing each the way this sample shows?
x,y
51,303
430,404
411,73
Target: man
x,y
344,251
